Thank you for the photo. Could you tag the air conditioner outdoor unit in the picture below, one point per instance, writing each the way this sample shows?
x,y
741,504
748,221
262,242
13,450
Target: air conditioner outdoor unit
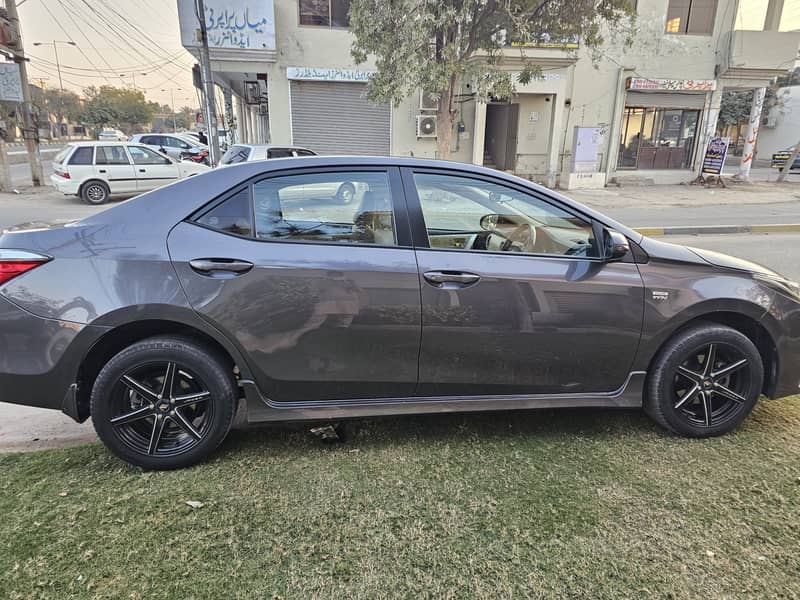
x,y
426,126
427,102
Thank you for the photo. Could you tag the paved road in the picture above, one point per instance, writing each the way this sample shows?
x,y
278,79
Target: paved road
x,y
745,214
23,428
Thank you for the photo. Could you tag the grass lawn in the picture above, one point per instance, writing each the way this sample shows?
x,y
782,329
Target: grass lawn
x,y
582,504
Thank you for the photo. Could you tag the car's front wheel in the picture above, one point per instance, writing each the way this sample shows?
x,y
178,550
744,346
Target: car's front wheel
x,y
163,403
704,381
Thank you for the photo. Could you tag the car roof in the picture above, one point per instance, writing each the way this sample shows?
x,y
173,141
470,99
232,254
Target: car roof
x,y
104,143
172,203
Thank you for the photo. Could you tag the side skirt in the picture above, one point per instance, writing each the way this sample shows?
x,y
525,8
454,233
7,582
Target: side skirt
x,y
261,409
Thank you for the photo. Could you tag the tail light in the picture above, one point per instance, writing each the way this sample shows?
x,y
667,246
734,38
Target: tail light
x,y
63,174
17,262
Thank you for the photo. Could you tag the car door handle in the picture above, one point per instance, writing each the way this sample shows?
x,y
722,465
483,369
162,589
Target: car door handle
x,y
142,170
102,170
208,266
439,278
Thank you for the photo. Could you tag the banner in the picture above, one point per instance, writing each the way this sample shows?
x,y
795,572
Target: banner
x,y
714,160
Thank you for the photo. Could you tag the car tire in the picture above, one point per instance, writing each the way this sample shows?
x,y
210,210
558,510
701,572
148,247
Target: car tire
x,y
693,397
94,192
156,426
346,193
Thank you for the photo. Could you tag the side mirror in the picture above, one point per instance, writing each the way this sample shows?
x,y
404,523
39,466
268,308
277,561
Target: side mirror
x,y
615,245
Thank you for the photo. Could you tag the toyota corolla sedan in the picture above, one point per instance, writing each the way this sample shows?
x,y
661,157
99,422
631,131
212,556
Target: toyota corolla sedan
x,y
441,287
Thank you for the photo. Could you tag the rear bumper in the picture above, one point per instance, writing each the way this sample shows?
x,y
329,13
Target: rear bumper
x,y
39,358
65,186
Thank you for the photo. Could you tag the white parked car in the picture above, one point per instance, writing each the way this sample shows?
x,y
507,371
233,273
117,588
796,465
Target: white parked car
x,y
96,170
112,135
171,144
239,153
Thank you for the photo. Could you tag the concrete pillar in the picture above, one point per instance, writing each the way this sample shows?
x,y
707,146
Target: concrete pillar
x,y
556,120
247,134
227,96
710,119
239,121
772,22
752,134
479,133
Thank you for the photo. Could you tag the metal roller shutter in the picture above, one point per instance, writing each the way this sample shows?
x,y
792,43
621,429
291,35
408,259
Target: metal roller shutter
x,y
665,99
336,118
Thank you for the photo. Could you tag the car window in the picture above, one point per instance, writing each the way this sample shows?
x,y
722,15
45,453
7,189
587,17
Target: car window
x,y
462,213
235,154
111,155
279,153
62,154
174,142
351,208
146,156
304,152
81,156
234,215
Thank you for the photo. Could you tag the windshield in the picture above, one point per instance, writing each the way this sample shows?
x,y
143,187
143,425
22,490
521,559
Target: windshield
x,y
235,154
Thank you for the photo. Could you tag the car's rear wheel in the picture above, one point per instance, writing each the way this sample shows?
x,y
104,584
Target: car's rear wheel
x,y
705,381
94,192
346,193
163,403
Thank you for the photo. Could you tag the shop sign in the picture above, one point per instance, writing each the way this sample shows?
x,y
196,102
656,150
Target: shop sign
x,y
10,83
671,85
779,159
315,74
239,24
716,152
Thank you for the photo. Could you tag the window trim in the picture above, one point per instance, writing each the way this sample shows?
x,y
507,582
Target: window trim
x,y
710,33
399,205
420,231
330,19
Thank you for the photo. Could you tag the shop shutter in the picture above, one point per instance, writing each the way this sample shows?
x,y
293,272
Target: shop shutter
x,y
336,118
665,99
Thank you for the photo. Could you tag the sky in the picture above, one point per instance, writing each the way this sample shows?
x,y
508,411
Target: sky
x,y
118,42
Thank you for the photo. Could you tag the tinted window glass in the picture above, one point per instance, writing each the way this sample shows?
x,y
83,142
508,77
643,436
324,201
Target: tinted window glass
x,y
232,216
59,158
470,214
174,142
303,152
279,153
235,154
111,155
81,156
146,156
325,12
351,208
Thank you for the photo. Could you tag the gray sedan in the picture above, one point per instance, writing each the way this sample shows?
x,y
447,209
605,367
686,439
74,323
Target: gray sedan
x,y
441,287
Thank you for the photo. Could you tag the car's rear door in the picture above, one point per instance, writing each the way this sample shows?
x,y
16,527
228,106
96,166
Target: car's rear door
x,y
112,164
323,298
153,169
503,313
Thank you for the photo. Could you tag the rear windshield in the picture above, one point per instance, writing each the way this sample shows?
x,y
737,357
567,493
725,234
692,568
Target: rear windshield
x,y
82,156
235,154
63,154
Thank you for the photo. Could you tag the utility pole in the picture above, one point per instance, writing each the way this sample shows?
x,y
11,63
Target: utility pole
x,y
208,85
172,106
30,130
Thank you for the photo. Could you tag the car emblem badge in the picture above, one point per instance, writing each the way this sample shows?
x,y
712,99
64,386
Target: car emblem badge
x,y
660,296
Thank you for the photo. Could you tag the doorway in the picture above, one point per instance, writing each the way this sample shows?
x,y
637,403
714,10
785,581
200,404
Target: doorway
x,y
500,141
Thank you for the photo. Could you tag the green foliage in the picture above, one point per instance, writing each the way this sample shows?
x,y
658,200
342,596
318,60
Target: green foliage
x,y
436,45
61,104
121,107
735,106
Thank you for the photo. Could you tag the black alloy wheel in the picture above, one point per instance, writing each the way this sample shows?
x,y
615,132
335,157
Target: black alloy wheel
x,y
704,381
164,403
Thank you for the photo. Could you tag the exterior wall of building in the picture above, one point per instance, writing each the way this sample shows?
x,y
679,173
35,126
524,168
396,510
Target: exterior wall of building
x,y
780,129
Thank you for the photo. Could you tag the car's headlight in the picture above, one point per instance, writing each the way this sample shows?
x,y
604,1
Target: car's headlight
x,y
787,286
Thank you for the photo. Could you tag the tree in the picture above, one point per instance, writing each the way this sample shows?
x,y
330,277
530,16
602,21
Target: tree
x,y
436,45
735,106
122,107
61,104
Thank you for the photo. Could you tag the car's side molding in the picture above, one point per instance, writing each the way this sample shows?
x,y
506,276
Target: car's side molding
x,y
261,409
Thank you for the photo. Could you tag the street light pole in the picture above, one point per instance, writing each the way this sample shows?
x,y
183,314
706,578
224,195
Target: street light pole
x,y
58,63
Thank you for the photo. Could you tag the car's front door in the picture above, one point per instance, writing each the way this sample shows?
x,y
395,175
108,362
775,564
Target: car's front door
x,y
323,298
152,168
111,164
515,296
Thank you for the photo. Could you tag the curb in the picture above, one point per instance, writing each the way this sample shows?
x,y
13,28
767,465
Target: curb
x,y
717,229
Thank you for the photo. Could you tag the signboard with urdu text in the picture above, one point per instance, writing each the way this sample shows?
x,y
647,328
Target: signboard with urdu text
x,y
714,159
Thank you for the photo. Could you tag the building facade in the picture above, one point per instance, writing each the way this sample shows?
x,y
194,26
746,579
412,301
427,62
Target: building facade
x,y
642,112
